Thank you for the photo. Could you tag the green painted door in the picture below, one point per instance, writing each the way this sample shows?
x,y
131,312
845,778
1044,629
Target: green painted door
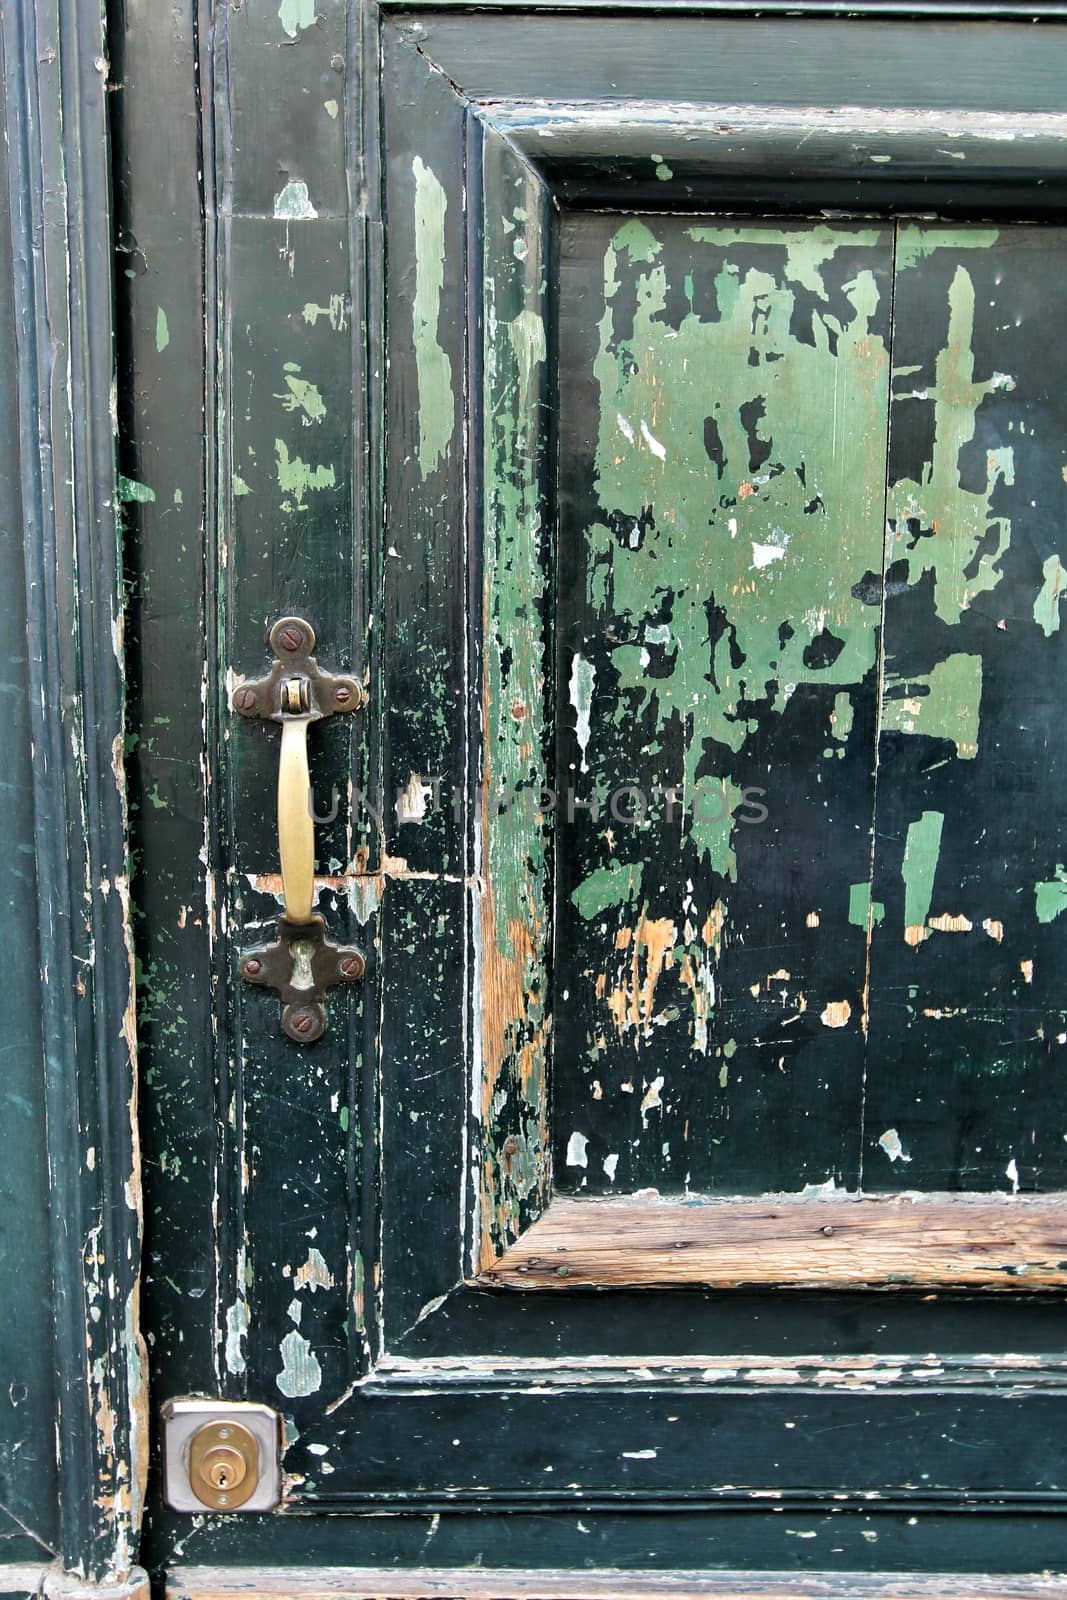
x,y
663,418
812,517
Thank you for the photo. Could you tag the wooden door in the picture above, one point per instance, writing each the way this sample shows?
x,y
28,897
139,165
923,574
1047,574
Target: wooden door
x,y
662,416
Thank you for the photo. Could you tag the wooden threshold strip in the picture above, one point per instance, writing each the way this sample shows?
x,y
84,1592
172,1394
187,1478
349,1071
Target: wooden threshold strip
x,y
480,1583
928,1241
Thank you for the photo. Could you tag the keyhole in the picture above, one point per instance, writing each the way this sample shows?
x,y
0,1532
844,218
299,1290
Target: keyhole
x,y
223,1464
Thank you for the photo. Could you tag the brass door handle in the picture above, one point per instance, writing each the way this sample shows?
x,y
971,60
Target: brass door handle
x,y
296,832
301,964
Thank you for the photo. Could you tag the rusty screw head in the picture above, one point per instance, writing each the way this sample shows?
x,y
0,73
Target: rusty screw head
x,y
253,967
352,966
302,1021
342,694
244,699
291,638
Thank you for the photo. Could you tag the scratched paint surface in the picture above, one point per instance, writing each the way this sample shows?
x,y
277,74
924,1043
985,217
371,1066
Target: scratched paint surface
x,y
739,1004
968,1026
723,433
513,910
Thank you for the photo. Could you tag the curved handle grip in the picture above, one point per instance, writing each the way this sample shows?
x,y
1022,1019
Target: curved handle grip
x,y
301,964
296,829
296,693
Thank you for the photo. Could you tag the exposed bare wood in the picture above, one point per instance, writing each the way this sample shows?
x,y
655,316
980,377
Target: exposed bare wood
x,y
364,1583
935,1241
1005,1373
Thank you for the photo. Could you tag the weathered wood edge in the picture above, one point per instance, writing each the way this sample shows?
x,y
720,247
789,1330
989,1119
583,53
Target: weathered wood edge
x,y
354,1583
929,1241
56,62
932,11
868,1374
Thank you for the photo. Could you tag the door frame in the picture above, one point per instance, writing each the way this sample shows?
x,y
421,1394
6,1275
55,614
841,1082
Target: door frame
x,y
61,106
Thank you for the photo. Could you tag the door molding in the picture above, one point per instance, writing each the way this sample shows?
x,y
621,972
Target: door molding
x,y
56,74
480,1583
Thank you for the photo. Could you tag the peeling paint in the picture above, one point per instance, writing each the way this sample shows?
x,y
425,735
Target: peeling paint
x,y
437,409
301,1373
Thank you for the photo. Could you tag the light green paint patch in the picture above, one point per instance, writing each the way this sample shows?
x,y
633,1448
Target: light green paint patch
x,y
527,335
236,1329
296,14
301,1373
240,487
943,703
331,108
139,493
635,240
301,395
921,851
663,171
679,531
842,716
293,203
614,885
863,912
177,497
806,253
433,367
296,479
1051,898
917,241
965,539
1047,604
162,330
335,312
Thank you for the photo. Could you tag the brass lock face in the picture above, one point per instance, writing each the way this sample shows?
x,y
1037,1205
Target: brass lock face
x,y
223,1465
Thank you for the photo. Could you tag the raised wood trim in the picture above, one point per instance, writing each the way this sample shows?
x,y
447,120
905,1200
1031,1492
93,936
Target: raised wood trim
x,y
366,1583
931,1241
57,92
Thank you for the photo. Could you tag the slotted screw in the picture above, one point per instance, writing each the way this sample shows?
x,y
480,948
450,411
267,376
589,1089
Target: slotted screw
x,y
342,694
253,968
352,966
302,1021
290,638
244,699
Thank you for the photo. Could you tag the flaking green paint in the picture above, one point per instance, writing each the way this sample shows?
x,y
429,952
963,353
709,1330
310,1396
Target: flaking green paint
x,y
437,409
614,885
862,910
942,703
1047,604
921,851
296,478
295,15
727,530
301,1373
301,395
1051,898
132,491
935,523
292,203
514,931
842,717
162,330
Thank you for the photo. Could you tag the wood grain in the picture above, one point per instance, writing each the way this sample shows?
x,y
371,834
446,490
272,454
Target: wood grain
x,y
933,1241
361,1583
